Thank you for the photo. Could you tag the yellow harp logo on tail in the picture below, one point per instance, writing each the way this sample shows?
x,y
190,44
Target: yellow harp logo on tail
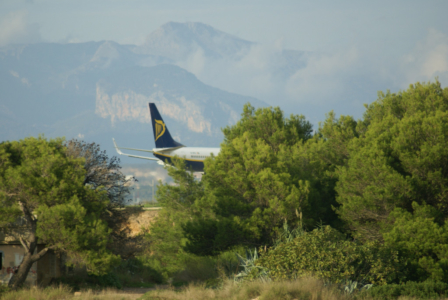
x,y
160,128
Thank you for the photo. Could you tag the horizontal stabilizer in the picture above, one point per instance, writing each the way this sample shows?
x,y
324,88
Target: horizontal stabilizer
x,y
131,155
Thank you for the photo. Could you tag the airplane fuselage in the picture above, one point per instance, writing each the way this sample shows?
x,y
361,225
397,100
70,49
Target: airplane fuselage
x,y
167,147
194,156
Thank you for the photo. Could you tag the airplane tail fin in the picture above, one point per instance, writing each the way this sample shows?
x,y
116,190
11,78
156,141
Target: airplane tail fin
x,y
162,136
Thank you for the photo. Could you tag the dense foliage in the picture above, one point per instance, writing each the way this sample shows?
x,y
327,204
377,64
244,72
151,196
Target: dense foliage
x,y
102,172
417,290
327,254
400,157
265,174
393,185
179,203
375,189
42,189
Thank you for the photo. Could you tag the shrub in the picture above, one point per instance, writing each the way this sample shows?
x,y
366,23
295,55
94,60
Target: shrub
x,y
327,254
136,272
420,290
3,289
78,282
421,241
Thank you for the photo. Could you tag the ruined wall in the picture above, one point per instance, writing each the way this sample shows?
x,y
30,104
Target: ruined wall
x,y
49,266
139,219
12,257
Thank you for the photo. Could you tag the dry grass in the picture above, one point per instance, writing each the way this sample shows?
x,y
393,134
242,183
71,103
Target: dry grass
x,y
111,294
49,293
66,293
309,289
301,289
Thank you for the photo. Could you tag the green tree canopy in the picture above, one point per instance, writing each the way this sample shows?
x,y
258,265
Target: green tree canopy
x,y
44,187
180,202
399,157
265,174
104,173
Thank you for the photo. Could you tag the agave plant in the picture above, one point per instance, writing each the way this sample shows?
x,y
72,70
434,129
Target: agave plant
x,y
288,234
351,286
250,270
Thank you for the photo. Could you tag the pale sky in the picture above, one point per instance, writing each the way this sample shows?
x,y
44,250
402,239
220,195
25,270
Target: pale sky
x,y
303,25
387,44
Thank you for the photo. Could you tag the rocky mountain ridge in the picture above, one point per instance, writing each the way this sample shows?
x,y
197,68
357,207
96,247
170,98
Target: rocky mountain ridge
x,y
99,90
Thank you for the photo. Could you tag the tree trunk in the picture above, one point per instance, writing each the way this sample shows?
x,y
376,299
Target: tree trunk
x,y
19,277
30,245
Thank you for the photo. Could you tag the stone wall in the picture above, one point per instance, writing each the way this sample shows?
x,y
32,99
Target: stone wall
x,y
139,219
51,265
12,256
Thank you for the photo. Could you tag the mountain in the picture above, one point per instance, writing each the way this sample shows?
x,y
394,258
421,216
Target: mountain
x,y
99,90
193,111
177,41
221,60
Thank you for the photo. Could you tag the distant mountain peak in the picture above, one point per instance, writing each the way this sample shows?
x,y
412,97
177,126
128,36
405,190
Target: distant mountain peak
x,y
108,50
197,28
178,40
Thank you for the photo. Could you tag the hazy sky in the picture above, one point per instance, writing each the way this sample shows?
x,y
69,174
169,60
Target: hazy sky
x,y
387,44
303,25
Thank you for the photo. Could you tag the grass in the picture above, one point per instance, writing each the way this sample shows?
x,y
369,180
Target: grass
x,y
34,293
309,289
65,292
151,204
300,289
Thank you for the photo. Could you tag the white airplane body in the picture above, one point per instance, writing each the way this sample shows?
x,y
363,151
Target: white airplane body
x,y
167,148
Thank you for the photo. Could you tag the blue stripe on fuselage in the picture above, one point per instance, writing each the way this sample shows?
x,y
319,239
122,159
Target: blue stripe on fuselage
x,y
193,164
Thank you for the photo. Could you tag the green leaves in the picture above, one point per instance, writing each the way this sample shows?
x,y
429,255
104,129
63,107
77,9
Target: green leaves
x,y
269,170
327,254
45,186
393,185
252,183
421,240
400,156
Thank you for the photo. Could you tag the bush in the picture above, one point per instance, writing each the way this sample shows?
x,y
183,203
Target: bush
x,y
421,241
420,290
136,272
3,289
327,254
78,282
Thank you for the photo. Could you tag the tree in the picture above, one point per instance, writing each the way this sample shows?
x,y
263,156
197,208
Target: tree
x,y
44,186
180,202
104,173
422,241
266,173
399,157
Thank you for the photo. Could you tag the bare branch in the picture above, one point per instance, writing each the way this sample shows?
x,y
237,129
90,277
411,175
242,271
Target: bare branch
x,y
41,253
24,244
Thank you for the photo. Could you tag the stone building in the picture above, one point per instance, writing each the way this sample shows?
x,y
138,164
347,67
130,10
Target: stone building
x,y
52,265
12,252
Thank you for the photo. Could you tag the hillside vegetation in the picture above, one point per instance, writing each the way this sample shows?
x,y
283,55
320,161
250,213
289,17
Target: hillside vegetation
x,y
361,204
356,209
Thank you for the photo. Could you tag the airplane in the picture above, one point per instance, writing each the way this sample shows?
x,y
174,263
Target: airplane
x,y
167,147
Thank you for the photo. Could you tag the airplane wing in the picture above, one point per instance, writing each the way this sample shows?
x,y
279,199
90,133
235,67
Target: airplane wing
x,y
131,155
